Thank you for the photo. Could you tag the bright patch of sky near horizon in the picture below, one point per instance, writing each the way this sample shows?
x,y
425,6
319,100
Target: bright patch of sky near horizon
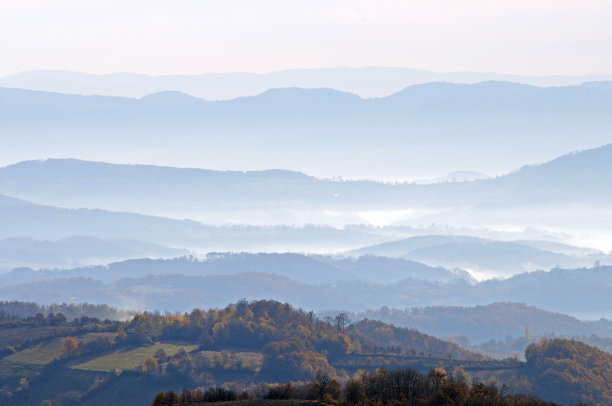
x,y
189,37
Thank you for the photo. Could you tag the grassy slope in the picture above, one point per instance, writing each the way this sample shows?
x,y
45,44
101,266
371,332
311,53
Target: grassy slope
x,y
39,354
47,351
14,336
124,359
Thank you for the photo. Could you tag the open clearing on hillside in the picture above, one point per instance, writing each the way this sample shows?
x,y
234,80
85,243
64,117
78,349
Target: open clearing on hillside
x,y
39,354
45,352
13,336
131,358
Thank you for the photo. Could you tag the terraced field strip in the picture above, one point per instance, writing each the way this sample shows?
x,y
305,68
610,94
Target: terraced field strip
x,y
12,336
10,368
45,352
131,358
39,354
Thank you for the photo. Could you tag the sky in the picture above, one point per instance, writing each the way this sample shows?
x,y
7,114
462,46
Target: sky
x,y
527,37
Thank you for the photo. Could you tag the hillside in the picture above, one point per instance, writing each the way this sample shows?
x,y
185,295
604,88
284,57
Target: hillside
x,y
387,335
557,371
89,361
246,343
570,371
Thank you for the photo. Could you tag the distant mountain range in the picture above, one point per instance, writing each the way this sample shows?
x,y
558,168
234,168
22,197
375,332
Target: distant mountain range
x,y
23,219
483,256
579,177
311,269
366,82
75,251
494,321
572,192
423,131
133,202
176,291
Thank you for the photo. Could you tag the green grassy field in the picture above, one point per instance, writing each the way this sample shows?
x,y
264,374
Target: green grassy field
x,y
39,354
131,358
13,336
47,351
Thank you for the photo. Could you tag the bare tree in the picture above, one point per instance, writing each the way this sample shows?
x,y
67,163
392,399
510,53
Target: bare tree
x,y
321,384
342,321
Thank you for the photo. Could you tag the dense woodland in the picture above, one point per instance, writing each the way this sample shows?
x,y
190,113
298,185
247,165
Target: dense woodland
x,y
566,368
47,357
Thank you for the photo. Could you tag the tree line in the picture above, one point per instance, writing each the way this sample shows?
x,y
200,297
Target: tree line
x,y
380,387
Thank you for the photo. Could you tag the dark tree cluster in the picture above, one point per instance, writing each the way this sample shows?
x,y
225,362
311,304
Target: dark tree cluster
x,y
381,387
190,397
15,310
379,337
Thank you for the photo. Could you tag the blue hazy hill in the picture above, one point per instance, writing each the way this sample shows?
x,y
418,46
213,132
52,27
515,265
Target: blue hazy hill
x,y
371,81
576,178
424,130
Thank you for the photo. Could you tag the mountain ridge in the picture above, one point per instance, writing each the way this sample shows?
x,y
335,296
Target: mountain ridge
x,y
320,131
384,81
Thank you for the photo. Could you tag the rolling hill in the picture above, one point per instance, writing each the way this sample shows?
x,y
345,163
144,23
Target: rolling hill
x,y
484,256
568,191
310,269
23,219
554,291
75,251
494,321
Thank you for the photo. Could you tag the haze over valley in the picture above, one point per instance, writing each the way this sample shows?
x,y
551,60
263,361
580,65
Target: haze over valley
x,y
322,203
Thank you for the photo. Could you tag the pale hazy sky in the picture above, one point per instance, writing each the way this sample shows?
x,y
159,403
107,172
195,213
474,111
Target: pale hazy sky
x,y
534,37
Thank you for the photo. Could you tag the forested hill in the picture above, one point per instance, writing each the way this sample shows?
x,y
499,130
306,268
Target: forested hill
x,y
262,325
388,335
493,321
88,361
571,371
245,343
